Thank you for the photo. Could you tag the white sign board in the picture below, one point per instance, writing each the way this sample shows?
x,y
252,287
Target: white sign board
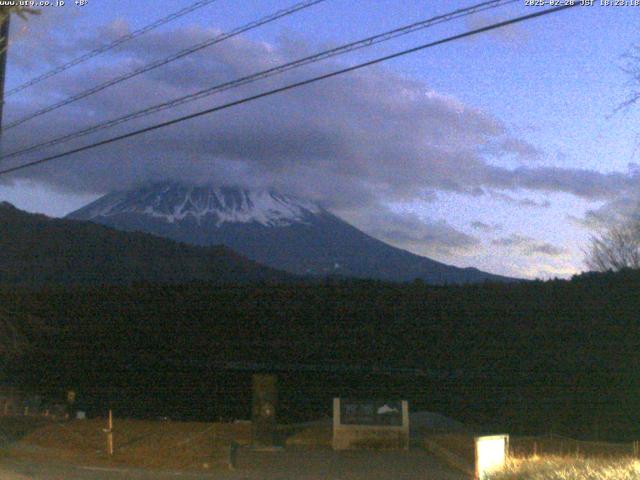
x,y
491,454
370,424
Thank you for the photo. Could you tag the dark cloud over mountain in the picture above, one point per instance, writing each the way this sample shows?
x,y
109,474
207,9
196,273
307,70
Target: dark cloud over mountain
x,y
356,142
485,227
373,125
529,246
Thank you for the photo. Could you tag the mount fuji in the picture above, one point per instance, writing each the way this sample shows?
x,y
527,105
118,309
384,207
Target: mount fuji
x,y
278,231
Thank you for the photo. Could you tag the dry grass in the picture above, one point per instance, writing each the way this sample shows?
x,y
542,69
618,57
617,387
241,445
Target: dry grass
x,y
459,444
569,468
455,449
147,444
13,428
318,435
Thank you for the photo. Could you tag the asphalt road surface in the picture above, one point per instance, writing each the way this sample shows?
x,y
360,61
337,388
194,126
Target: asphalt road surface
x,y
289,464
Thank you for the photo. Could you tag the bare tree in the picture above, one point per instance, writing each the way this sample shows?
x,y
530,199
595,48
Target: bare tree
x,y
619,247
632,68
616,249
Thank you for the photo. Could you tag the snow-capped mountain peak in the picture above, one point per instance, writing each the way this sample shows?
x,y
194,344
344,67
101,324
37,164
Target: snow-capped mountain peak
x,y
173,202
276,230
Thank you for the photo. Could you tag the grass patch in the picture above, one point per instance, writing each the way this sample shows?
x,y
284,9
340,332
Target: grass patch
x,y
569,468
138,443
13,429
457,450
311,435
459,444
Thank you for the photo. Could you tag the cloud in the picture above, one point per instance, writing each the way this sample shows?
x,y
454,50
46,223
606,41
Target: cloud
x,y
516,147
427,237
520,147
529,246
353,142
522,202
485,227
609,214
371,133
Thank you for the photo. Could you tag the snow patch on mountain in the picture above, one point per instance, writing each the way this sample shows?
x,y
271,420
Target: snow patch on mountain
x,y
174,202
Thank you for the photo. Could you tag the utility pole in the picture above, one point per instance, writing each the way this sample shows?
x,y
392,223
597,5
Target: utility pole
x,y
4,46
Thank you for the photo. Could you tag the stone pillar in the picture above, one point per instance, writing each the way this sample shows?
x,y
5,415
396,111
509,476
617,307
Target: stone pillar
x,y
263,411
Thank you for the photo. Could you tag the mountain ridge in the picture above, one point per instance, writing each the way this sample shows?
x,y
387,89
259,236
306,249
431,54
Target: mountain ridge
x,y
38,250
279,231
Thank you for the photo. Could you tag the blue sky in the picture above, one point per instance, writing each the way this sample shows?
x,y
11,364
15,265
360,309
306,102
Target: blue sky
x,y
526,112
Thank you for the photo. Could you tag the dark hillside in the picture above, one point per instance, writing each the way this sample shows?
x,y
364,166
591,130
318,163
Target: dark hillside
x,y
559,355
37,250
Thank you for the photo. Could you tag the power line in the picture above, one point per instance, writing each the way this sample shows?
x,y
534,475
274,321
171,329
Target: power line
x,y
4,45
158,63
290,87
347,48
110,46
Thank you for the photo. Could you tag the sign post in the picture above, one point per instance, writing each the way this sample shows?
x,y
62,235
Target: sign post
x,y
370,423
263,410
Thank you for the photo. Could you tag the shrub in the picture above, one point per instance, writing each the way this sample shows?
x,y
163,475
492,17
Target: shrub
x,y
569,468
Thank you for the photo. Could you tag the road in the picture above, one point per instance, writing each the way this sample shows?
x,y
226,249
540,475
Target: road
x,y
28,470
289,464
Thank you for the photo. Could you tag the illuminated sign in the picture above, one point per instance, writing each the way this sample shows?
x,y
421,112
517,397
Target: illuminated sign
x,y
491,454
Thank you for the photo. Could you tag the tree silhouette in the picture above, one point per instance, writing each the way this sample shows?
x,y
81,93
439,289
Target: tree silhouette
x,y
616,249
632,69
